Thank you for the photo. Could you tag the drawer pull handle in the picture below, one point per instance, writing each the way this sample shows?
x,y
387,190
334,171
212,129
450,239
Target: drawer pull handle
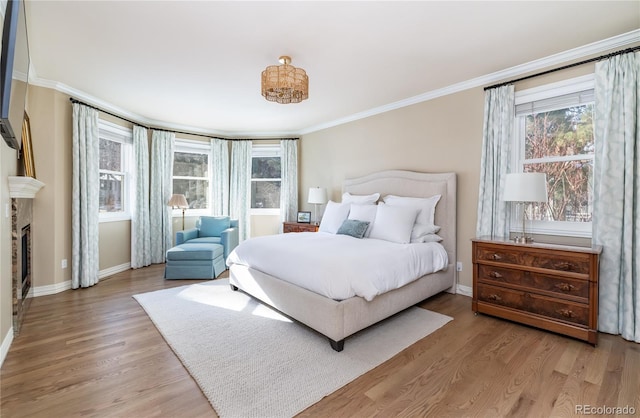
x,y
495,275
494,297
564,266
566,287
568,313
496,257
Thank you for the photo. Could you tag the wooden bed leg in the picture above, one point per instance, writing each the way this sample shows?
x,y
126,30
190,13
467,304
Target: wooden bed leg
x,y
337,345
234,288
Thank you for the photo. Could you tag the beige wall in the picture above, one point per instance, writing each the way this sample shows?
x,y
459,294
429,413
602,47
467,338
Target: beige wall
x,y
440,135
50,116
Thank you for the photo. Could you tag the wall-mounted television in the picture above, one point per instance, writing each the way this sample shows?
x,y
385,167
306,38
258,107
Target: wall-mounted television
x,y
14,73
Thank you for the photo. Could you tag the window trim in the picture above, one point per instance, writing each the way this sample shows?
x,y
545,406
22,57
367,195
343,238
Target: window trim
x,y
561,228
194,147
266,150
116,133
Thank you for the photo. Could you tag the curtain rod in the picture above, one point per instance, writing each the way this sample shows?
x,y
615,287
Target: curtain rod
x,y
73,100
575,64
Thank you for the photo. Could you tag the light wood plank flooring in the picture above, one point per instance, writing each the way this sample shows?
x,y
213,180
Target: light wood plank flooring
x,y
94,352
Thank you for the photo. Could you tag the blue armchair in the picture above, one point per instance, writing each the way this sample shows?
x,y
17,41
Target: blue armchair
x,y
201,252
213,230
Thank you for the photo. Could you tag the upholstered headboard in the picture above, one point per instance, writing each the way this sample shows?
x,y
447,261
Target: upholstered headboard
x,y
415,184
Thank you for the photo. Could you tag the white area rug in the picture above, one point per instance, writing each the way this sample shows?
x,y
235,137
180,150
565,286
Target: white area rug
x,y
251,361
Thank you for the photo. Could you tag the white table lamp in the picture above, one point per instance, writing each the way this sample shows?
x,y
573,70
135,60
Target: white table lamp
x,y
523,188
317,196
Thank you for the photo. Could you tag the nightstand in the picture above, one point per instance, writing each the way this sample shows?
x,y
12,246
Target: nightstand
x,y
553,287
298,227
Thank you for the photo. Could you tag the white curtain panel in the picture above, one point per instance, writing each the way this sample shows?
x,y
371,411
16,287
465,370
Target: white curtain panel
x,y
220,177
289,182
140,225
162,144
499,115
616,208
240,193
85,198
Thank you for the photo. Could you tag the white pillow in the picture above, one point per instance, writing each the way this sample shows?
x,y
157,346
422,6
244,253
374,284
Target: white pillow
x,y
365,213
334,216
393,223
427,206
369,199
420,230
427,238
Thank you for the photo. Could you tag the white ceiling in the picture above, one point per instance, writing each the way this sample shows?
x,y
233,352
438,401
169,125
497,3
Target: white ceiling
x,y
196,65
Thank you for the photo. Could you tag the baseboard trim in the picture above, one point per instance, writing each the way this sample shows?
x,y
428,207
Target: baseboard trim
x,y
52,289
464,290
113,270
6,344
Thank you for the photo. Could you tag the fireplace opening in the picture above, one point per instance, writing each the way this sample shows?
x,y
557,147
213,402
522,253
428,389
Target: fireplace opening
x,y
26,261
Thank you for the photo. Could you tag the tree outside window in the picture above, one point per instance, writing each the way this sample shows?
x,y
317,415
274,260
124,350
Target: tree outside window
x,y
560,143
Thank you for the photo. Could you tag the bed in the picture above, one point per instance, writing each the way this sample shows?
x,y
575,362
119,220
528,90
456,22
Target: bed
x,y
338,319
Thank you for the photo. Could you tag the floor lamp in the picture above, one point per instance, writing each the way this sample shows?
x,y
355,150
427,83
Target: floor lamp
x,y
179,201
317,196
523,188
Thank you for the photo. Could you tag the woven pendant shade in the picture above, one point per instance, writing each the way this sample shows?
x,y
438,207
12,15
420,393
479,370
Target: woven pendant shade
x,y
285,83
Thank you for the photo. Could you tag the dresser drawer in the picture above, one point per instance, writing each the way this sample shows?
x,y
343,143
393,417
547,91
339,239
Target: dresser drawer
x,y
559,261
563,310
565,287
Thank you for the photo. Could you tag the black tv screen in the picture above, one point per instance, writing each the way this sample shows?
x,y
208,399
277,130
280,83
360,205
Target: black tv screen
x,y
14,73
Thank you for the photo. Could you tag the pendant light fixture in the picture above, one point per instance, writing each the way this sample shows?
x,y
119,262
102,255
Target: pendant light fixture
x,y
285,83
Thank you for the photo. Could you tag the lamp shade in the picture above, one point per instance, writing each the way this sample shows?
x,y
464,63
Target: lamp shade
x,y
317,195
178,201
525,187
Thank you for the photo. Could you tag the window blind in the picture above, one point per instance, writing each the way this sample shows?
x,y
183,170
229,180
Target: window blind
x,y
554,103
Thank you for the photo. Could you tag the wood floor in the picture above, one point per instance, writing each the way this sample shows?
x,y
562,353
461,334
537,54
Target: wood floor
x,y
94,352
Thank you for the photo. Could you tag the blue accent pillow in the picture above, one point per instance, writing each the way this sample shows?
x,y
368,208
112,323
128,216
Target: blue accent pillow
x,y
212,226
353,227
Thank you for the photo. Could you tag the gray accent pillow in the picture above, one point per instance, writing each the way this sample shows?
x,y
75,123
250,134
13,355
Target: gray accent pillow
x,y
353,227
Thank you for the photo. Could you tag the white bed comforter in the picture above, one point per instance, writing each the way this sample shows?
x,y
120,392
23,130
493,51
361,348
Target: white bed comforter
x,y
339,266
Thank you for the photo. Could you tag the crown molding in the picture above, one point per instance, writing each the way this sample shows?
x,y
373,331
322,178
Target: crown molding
x,y
142,120
619,41
623,40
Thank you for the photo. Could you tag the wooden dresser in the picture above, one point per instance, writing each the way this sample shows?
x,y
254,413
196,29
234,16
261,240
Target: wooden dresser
x,y
298,227
553,287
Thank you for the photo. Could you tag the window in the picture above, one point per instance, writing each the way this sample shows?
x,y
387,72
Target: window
x,y
265,179
191,171
114,171
555,136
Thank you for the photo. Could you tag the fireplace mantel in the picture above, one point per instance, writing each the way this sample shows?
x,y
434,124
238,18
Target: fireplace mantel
x,y
23,187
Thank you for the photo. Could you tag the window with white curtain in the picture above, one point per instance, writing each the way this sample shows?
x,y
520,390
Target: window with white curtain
x,y
192,175
116,148
555,135
266,177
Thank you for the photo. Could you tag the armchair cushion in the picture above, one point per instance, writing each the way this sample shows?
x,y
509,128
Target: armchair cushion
x,y
206,240
212,226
